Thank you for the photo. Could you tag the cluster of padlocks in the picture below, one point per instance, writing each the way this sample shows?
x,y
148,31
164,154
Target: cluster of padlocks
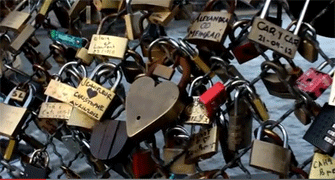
x,y
115,57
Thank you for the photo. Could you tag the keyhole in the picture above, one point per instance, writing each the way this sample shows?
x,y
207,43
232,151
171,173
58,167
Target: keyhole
x,y
138,117
309,80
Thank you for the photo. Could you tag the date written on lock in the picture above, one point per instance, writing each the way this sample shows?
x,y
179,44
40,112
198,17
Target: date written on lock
x,y
274,37
92,98
55,110
110,46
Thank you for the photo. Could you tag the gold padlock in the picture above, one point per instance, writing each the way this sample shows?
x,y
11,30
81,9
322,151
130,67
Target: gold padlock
x,y
83,55
106,4
12,117
106,45
43,11
15,20
163,18
152,5
322,167
203,145
132,23
10,149
22,38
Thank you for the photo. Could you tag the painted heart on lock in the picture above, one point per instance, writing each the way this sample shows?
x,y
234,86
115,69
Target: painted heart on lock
x,y
150,107
91,93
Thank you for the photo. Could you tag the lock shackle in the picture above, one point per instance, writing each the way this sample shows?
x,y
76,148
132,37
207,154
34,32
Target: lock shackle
x,y
71,63
182,133
169,40
301,17
235,83
128,6
281,127
194,81
237,96
37,67
187,48
36,153
244,23
29,98
108,65
57,46
21,5
212,59
212,3
4,35
265,9
251,91
137,57
74,74
280,71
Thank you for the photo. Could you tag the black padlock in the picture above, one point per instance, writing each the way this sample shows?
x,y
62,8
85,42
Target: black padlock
x,y
321,133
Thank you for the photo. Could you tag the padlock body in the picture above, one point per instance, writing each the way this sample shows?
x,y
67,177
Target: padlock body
x,y
314,82
245,51
322,167
12,119
143,164
321,132
213,97
307,50
34,172
270,157
178,167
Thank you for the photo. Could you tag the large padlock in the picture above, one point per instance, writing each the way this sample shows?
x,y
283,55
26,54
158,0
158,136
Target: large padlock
x,y
107,45
321,133
279,83
203,144
240,120
274,37
161,104
91,97
196,112
322,167
108,139
16,19
314,82
211,28
14,117
176,139
265,155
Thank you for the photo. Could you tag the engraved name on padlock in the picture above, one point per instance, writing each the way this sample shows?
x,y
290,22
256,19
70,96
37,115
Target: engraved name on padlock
x,y
322,167
55,110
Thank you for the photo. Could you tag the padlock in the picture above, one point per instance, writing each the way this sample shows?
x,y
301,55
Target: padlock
x,y
66,39
108,139
14,117
77,7
308,45
257,104
22,38
58,52
243,49
321,133
82,54
165,17
131,20
211,28
306,111
20,93
314,82
43,12
160,49
161,104
213,98
37,168
196,112
92,98
203,144
107,45
278,83
131,69
176,139
16,19
274,37
265,155
240,121
322,166
142,163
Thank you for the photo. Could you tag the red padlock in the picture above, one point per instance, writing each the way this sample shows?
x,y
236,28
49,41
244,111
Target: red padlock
x,y
314,82
213,98
143,164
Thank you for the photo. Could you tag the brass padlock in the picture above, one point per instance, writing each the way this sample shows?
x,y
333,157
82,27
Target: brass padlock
x,y
306,111
152,5
308,44
82,54
132,22
257,104
107,45
11,147
203,145
165,17
176,139
211,28
106,4
42,13
16,19
22,38
322,166
14,117
92,98
265,155
279,83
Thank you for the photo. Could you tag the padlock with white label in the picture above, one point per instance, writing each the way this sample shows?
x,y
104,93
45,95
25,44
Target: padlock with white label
x,y
91,97
268,34
107,45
